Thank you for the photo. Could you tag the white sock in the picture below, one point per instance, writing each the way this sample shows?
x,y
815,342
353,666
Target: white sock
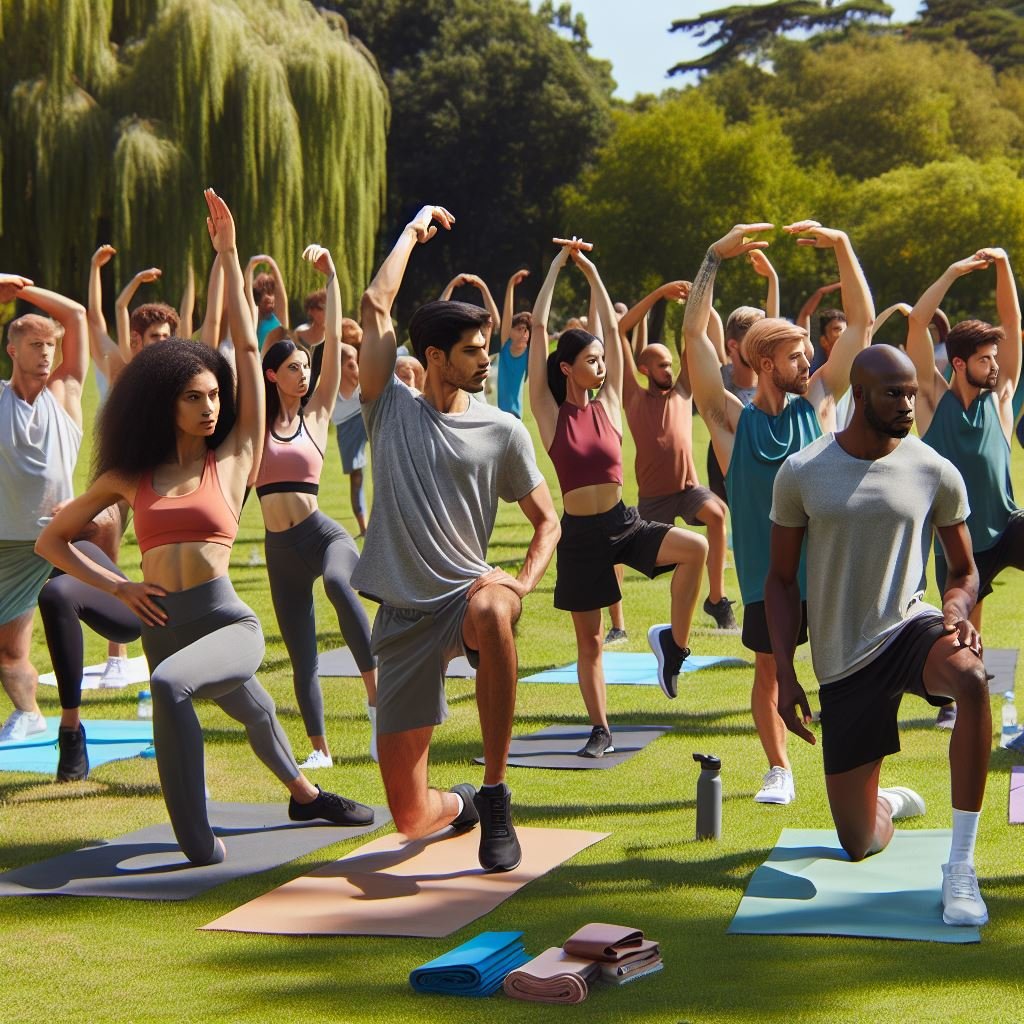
x,y
894,800
462,804
965,832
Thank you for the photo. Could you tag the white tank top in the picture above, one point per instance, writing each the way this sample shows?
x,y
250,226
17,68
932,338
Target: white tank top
x,y
39,446
346,409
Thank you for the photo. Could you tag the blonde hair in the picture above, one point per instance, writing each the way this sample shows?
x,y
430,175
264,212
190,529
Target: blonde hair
x,y
741,319
32,325
765,336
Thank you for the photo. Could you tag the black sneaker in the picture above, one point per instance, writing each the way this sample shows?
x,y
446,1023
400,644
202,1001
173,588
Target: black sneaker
x,y
599,744
670,657
338,810
615,636
467,817
499,847
721,612
73,758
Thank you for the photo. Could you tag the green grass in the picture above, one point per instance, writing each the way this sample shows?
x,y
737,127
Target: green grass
x,y
111,960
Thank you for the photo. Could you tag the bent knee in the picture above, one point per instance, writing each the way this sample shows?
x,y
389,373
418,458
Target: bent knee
x,y
495,605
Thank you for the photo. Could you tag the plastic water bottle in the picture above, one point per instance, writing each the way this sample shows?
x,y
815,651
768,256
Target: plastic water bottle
x,y
709,797
1009,718
145,704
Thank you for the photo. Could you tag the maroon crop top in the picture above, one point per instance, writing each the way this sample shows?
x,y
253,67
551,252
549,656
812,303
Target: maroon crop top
x,y
587,449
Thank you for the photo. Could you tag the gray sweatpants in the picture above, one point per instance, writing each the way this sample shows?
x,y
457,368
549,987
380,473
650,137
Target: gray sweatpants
x,y
209,649
318,546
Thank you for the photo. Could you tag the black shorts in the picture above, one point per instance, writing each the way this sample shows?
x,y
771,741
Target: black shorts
x,y
591,547
859,712
755,628
716,478
1006,553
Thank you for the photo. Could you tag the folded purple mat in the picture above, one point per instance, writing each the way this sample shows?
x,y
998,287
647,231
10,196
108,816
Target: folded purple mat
x,y
1017,795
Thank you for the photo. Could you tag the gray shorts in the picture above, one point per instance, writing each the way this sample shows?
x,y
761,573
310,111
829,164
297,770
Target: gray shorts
x,y
413,649
22,575
683,504
352,444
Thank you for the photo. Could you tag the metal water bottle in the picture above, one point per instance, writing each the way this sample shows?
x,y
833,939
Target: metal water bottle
x,y
709,797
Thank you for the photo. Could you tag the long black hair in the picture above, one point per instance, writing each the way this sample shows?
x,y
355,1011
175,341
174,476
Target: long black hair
x,y
570,344
273,358
136,428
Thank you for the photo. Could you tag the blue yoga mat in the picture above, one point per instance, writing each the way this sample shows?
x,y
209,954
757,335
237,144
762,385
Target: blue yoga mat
x,y
626,668
476,968
809,886
106,740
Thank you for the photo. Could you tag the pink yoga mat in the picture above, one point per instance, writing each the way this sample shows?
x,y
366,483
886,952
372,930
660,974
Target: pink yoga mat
x,y
1017,795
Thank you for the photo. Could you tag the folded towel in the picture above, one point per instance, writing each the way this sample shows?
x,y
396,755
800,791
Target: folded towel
x,y
632,963
476,968
640,971
608,943
552,977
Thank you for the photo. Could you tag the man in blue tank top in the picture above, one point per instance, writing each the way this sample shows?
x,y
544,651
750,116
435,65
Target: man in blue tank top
x,y
790,409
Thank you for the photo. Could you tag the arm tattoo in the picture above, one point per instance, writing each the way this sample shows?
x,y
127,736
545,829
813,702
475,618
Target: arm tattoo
x,y
705,278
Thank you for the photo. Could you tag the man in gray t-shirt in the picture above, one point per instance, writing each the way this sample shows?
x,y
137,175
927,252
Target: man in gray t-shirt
x,y
440,464
867,500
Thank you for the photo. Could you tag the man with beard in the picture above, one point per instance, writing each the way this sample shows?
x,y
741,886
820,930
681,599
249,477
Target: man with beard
x,y
867,500
970,419
440,464
790,409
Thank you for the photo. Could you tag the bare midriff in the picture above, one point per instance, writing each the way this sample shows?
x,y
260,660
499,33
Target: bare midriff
x,y
592,500
186,564
286,509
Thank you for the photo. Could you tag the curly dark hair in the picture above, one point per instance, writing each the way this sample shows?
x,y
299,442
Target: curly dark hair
x,y
136,429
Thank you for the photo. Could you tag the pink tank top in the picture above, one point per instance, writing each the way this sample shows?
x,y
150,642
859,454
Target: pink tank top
x,y
587,449
290,463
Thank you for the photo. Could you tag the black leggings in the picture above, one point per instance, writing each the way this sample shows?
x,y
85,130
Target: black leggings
x,y
64,604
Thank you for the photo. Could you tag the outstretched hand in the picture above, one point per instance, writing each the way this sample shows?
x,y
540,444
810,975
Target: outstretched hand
x,y
675,291
103,255
761,264
11,285
519,276
320,257
821,237
220,223
423,223
735,243
794,708
149,275
969,264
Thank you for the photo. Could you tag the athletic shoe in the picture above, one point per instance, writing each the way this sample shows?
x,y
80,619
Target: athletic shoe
x,y
115,674
777,787
371,713
255,558
615,636
499,847
599,744
318,759
22,724
73,758
468,817
670,657
961,897
721,612
149,753
947,717
338,810
905,803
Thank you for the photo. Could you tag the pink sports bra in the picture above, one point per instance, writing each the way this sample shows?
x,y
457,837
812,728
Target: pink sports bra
x,y
290,463
587,449
202,515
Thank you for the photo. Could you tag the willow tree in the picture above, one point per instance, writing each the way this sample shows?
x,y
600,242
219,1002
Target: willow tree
x,y
111,130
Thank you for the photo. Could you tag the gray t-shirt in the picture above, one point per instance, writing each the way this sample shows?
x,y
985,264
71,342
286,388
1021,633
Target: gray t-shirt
x,y
869,526
437,479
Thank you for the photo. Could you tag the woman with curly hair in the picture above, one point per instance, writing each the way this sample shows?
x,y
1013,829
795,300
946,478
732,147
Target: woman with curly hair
x,y
182,464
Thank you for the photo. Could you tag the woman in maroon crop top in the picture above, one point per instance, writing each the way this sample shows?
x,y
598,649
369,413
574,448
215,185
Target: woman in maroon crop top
x,y
583,436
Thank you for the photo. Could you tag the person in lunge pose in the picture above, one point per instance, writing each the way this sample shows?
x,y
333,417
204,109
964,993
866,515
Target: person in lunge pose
x,y
583,437
867,500
302,543
183,467
440,464
790,408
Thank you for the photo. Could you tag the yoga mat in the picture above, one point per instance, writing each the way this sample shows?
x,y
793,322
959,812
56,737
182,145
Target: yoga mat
x,y
476,968
340,662
1016,809
556,746
632,669
429,887
138,672
808,886
148,865
106,741
1001,663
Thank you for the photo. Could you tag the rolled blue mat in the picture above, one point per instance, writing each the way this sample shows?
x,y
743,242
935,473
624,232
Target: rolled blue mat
x,y
476,968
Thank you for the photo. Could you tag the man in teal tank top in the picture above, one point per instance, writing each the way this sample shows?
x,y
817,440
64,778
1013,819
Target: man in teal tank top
x,y
790,409
970,419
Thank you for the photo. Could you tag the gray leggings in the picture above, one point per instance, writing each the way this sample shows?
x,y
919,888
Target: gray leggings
x,y
209,649
318,546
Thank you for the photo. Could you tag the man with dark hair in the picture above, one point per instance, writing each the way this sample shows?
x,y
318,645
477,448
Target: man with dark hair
x,y
867,500
440,464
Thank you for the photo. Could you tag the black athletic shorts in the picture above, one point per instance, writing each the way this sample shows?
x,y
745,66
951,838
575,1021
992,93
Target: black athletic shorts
x,y
859,712
716,479
755,628
1006,553
591,547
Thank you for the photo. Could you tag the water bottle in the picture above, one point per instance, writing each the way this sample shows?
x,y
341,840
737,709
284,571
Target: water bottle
x,y
145,704
1009,718
709,797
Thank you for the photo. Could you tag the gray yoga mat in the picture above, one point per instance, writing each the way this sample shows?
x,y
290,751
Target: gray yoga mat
x,y
556,746
148,865
1001,663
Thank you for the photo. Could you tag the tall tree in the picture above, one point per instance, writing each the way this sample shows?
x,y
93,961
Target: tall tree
x,y
993,29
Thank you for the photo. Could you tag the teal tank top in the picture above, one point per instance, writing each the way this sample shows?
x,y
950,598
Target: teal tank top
x,y
973,440
761,445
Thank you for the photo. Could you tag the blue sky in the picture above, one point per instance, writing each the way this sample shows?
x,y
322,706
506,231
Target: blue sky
x,y
634,36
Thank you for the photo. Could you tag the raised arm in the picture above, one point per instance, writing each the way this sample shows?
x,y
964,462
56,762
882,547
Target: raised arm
x,y
716,333
209,332
670,291
809,308
325,395
74,348
611,391
542,402
489,304
763,268
186,312
103,348
509,309
121,314
280,292
896,307
1008,311
378,351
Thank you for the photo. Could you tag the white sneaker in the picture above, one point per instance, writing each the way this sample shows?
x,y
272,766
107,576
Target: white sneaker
x,y
777,787
371,713
905,803
115,674
22,724
318,759
961,898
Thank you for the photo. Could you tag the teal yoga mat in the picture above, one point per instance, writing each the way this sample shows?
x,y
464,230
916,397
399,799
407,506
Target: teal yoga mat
x,y
808,886
625,668
107,740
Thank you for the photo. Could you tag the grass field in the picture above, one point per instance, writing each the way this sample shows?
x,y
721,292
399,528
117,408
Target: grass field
x,y
112,960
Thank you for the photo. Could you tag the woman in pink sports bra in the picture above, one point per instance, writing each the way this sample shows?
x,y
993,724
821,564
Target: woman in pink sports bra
x,y
182,464
583,436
